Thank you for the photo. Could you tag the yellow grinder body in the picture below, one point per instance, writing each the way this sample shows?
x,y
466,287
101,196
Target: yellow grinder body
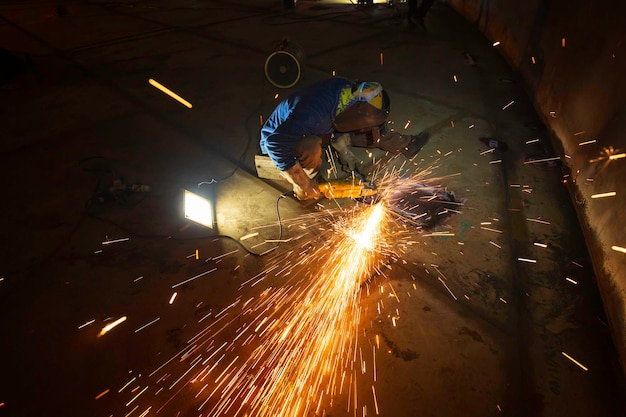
x,y
343,189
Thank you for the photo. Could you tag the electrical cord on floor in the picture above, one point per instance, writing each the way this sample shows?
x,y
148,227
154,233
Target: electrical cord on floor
x,y
120,198
92,215
280,223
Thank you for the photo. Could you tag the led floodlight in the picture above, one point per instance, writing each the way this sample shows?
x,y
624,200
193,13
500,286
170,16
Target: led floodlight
x,y
198,209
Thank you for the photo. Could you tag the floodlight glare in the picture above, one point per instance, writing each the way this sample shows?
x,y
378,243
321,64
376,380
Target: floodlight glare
x,y
198,209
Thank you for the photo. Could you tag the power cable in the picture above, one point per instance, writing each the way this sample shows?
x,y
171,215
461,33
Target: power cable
x,y
99,198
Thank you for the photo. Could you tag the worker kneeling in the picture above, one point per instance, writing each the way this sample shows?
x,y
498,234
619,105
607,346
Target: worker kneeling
x,y
335,111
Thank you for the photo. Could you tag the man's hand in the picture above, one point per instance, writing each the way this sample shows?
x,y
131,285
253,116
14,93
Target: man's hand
x,y
311,194
303,186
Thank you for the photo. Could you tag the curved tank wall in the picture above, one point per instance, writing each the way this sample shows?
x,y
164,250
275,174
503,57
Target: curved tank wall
x,y
572,58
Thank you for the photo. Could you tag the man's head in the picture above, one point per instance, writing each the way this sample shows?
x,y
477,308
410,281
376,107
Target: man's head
x,y
362,105
369,92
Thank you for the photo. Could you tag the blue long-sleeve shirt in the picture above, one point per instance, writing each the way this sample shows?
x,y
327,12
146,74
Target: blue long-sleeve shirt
x,y
308,112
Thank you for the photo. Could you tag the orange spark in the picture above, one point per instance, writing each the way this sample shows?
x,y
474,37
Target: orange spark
x,y
301,334
169,92
110,326
575,361
102,394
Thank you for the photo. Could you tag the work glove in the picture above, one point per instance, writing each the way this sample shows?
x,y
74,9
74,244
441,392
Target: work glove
x,y
341,144
357,174
303,187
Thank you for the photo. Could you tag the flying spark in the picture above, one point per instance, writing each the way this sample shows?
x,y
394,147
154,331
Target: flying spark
x,y
532,261
86,324
508,105
491,230
291,340
102,394
603,195
447,288
575,361
108,242
608,154
127,384
248,236
194,277
296,331
495,244
112,325
537,220
537,161
169,92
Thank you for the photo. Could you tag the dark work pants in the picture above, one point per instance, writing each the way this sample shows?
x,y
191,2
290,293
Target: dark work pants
x,y
418,12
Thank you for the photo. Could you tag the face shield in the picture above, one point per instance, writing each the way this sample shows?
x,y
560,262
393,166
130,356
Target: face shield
x,y
368,109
